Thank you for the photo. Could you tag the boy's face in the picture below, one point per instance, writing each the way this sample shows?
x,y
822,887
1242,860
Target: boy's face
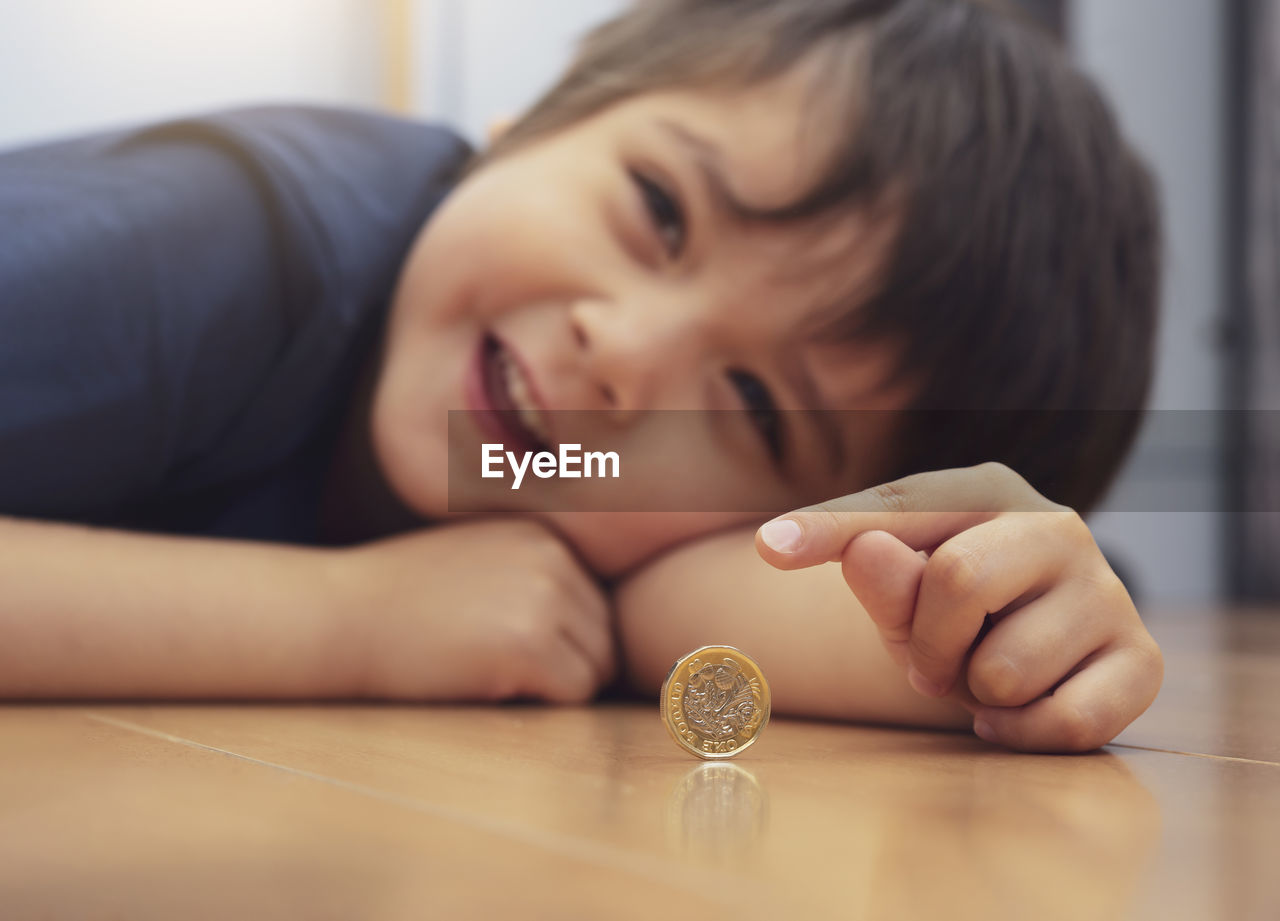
x,y
599,260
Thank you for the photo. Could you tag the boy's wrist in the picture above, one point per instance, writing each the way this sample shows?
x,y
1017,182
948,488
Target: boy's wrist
x,y
344,596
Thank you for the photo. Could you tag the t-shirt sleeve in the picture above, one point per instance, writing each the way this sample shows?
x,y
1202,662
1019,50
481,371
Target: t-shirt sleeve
x,y
174,301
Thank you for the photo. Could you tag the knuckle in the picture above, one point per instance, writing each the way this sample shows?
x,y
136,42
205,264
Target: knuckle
x,y
954,571
994,468
529,543
549,553
529,638
542,591
1078,731
893,496
1106,593
1150,661
927,652
1113,595
996,680
1067,526
1000,480
1152,655
997,471
828,521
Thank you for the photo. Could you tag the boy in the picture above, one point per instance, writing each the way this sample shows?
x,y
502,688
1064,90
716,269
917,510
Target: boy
x,y
874,206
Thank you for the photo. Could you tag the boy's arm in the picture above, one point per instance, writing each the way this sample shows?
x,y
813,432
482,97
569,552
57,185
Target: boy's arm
x,y
819,651
92,612
468,611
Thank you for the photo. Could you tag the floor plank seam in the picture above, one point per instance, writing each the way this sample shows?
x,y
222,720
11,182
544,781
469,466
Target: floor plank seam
x,y
1174,751
590,852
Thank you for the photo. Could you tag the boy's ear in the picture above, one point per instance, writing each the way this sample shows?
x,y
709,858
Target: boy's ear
x,y
498,127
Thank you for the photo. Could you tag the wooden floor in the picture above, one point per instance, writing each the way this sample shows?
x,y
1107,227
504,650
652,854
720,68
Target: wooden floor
x,y
261,812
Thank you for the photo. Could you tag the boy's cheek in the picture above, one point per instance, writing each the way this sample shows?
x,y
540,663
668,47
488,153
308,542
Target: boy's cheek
x,y
518,227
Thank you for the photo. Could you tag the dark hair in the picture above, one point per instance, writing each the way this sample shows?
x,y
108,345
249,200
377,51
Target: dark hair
x,y
1022,283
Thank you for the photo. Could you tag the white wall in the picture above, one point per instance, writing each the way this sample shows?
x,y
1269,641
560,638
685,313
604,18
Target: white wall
x,y
483,60
68,66
1161,64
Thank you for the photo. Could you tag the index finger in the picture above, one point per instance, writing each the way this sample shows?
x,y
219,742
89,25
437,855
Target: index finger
x,y
921,510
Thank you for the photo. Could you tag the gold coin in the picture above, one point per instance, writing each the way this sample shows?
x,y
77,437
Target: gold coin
x,y
715,701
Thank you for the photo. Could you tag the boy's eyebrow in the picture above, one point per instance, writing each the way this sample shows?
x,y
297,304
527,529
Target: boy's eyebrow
x,y
710,162
801,381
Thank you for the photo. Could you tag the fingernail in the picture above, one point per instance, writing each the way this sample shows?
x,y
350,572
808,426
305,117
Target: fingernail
x,y
783,535
922,684
982,729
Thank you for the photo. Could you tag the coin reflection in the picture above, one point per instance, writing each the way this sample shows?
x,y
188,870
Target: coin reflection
x,y
717,813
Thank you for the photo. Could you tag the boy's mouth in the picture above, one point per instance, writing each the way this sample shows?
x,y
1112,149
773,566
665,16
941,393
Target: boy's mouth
x,y
519,420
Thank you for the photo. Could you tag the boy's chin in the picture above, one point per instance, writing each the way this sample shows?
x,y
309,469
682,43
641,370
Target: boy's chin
x,y
613,544
604,550
609,543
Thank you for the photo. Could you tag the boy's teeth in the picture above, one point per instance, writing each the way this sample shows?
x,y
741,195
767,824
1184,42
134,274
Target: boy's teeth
x,y
518,390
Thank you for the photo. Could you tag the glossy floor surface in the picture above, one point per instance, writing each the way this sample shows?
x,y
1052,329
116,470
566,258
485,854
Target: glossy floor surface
x,y
113,811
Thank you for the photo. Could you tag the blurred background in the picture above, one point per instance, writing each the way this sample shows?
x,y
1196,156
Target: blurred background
x,y
1187,77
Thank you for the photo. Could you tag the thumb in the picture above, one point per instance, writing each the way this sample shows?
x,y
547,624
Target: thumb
x,y
884,575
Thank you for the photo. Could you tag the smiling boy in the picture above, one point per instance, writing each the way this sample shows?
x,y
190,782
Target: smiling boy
x,y
574,256
885,208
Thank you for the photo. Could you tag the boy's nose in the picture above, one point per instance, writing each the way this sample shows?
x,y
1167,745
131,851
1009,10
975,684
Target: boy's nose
x,y
633,362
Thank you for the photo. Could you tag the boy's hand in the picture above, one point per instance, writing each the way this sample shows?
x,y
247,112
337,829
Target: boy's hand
x,y
986,590
484,610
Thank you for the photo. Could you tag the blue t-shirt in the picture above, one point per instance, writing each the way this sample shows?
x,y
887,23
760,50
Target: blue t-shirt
x,y
184,310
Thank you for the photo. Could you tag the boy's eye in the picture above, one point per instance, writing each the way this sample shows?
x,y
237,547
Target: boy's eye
x,y
664,211
764,415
